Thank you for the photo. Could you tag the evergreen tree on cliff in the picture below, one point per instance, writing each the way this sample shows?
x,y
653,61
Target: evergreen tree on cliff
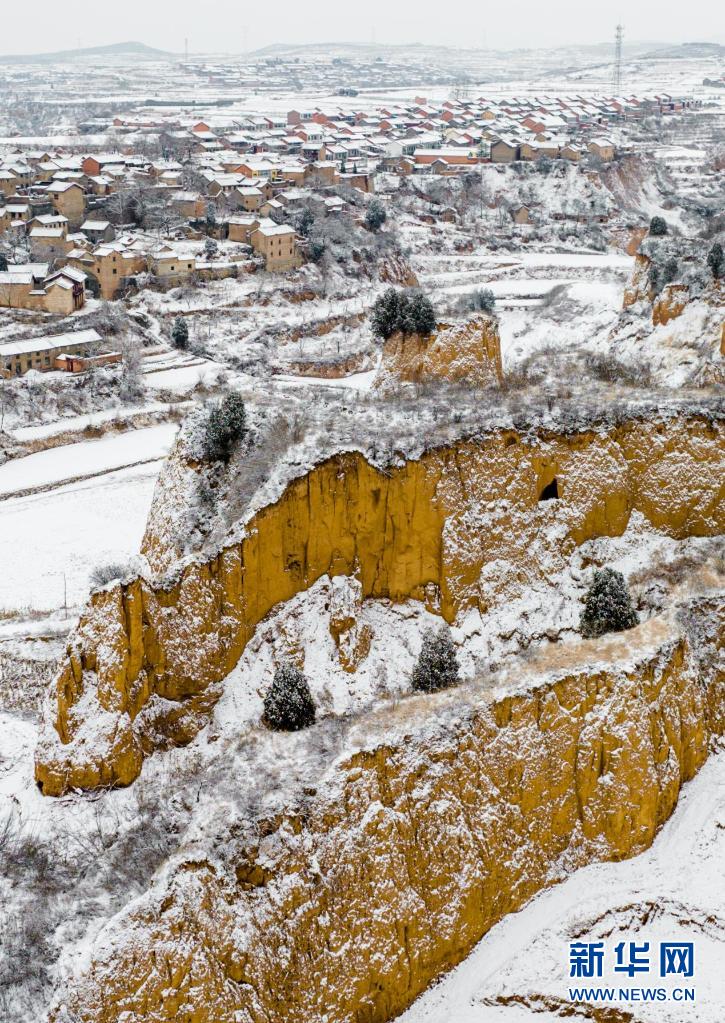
x,y
288,703
658,226
226,425
407,312
385,314
608,606
437,665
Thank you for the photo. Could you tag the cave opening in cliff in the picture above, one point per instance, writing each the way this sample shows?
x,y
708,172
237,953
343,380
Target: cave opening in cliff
x,y
550,491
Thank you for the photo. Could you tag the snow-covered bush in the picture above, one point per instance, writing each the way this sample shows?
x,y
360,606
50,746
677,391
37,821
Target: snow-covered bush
x,y
113,571
437,664
608,606
480,300
658,226
226,424
288,703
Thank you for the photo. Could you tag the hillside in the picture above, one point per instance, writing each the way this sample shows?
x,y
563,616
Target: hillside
x,y
135,50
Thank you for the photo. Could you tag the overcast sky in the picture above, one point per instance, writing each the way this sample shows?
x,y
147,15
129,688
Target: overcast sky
x,y
235,26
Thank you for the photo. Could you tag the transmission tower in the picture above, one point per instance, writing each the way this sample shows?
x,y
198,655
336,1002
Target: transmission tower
x,y
617,71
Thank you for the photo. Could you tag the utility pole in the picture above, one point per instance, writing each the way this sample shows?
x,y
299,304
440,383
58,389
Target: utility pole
x,y
617,70
186,51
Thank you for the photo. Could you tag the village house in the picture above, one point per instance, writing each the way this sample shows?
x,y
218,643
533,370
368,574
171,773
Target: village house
x,y
109,267
166,264
30,286
277,244
504,151
68,199
49,243
44,353
97,231
603,148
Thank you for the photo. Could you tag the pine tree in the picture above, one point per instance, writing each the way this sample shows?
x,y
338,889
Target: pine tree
x,y
715,260
437,665
424,318
180,333
288,703
407,312
375,215
608,606
225,426
658,226
384,320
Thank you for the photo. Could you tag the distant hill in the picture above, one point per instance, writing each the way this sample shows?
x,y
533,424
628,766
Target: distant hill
x,y
137,51
688,51
352,49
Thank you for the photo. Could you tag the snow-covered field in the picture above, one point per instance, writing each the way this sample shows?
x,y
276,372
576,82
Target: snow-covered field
x,y
52,537
674,892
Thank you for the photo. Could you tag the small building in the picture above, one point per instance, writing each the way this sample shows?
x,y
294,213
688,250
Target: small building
x,y
603,148
504,151
166,263
41,353
30,286
278,245
69,200
521,215
49,243
97,231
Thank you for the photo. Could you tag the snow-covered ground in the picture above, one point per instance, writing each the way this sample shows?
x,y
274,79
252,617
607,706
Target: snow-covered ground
x,y
46,469
674,892
54,534
50,542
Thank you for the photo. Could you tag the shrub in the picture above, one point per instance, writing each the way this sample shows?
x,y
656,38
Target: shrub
x,y
409,313
288,703
482,300
375,215
716,261
316,250
670,268
3,263
180,333
101,575
225,426
211,249
437,665
304,223
658,227
608,606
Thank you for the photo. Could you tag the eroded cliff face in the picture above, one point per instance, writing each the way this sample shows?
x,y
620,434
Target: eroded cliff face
x,y
394,860
463,353
144,667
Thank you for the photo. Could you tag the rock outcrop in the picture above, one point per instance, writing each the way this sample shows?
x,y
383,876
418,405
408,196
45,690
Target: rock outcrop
x,y
388,864
463,353
145,665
